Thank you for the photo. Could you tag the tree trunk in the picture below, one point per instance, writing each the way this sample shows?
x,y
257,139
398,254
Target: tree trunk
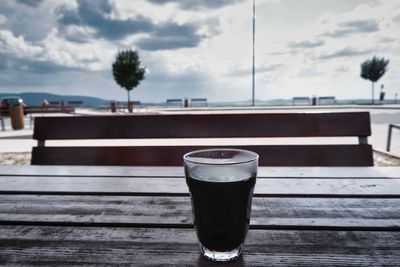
x,y
372,98
129,102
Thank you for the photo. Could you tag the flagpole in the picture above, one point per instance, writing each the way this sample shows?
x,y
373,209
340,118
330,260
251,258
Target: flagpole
x,y
254,34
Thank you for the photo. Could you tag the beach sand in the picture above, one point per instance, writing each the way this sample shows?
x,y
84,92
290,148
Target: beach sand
x,y
15,158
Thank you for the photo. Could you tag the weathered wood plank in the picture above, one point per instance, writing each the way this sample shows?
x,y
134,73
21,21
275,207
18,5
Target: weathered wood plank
x,y
266,212
34,245
182,126
272,155
177,186
157,171
198,126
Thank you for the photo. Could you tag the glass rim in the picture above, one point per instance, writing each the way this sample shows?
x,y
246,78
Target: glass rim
x,y
254,157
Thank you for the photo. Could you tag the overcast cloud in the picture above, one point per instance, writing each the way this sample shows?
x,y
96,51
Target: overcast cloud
x,y
197,48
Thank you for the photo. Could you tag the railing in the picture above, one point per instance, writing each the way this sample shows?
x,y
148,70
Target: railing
x,y
389,139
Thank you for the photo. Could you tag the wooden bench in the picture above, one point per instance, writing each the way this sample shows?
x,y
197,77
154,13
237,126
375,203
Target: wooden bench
x,y
301,100
202,102
354,124
174,102
326,100
77,103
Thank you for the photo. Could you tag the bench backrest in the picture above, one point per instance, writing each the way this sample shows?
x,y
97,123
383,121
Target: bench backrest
x,y
355,124
301,100
198,102
174,100
326,100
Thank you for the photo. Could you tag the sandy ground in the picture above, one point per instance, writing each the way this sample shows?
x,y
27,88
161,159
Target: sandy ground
x,y
15,146
15,158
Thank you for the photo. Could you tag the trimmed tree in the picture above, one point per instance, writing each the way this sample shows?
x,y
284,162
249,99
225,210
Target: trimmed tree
x,y
127,71
373,69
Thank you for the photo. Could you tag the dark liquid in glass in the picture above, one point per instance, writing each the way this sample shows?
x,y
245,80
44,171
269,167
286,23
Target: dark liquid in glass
x,y
221,212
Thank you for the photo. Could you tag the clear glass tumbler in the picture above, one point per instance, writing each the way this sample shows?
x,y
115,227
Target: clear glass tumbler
x,y
221,184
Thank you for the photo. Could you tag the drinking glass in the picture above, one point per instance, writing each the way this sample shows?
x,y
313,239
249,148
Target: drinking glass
x,y
221,184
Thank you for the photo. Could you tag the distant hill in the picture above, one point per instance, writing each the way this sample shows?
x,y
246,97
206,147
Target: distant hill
x,y
35,99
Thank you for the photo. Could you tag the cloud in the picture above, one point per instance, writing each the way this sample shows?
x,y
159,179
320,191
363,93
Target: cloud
x,y
78,34
96,15
3,19
68,46
32,3
169,37
309,72
17,45
345,52
385,39
167,43
396,19
258,69
342,69
52,51
353,27
196,4
306,44
32,19
24,66
18,54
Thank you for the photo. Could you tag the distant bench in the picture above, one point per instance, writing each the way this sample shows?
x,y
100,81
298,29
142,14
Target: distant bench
x,y
198,102
122,105
181,126
327,100
301,100
174,101
75,103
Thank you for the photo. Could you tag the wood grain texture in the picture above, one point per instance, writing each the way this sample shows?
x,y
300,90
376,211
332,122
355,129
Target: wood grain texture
x,y
157,171
41,245
170,212
277,155
150,126
203,126
177,186
317,225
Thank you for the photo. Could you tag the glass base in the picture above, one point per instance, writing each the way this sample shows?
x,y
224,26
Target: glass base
x,y
219,255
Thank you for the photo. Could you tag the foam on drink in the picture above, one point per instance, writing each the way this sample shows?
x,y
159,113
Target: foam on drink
x,y
218,174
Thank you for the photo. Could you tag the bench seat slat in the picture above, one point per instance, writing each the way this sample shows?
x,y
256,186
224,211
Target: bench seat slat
x,y
118,246
170,210
270,155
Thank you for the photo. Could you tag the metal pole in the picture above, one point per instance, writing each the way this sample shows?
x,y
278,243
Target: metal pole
x,y
389,138
254,38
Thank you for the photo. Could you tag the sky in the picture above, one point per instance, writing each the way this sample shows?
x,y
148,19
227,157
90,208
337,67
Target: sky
x,y
199,48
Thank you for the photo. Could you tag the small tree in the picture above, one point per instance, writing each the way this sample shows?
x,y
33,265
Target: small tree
x,y
373,69
127,71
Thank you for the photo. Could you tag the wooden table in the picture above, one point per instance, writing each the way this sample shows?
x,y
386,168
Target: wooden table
x,y
59,215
